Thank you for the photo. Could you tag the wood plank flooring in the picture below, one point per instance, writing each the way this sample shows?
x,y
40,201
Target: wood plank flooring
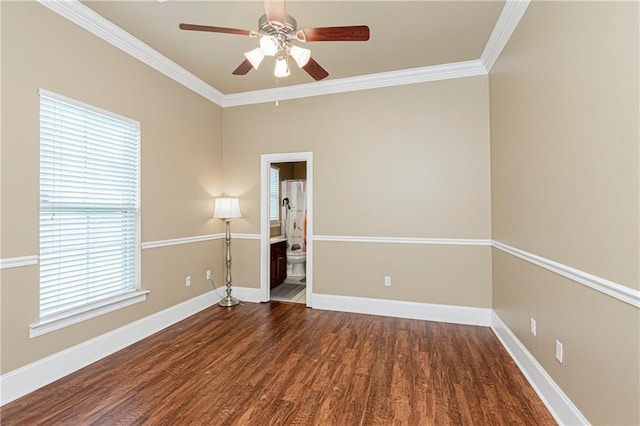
x,y
283,364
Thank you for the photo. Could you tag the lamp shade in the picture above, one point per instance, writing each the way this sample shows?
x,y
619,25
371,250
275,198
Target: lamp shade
x,y
255,56
282,68
300,55
268,45
226,208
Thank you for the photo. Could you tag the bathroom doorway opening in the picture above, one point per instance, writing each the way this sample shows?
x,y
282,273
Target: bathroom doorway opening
x,y
286,249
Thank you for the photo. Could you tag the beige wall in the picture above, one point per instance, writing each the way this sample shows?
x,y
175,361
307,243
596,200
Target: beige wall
x,y
181,170
564,109
410,161
447,275
565,175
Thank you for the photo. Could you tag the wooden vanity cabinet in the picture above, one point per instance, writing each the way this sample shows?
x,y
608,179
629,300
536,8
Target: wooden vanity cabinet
x,y
278,263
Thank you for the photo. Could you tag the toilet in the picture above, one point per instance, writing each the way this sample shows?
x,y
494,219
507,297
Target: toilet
x,y
296,261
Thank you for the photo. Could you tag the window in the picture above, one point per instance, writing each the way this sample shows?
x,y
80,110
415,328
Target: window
x,y
274,194
89,215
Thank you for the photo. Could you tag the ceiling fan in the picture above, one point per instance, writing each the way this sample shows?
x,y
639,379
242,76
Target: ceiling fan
x,y
277,31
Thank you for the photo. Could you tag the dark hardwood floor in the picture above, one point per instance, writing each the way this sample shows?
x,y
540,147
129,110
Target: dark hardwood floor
x,y
284,364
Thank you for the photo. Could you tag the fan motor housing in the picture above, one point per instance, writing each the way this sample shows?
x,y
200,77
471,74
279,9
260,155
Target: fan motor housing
x,y
266,27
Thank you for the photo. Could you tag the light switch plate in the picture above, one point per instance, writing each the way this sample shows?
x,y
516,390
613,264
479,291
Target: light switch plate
x,y
559,351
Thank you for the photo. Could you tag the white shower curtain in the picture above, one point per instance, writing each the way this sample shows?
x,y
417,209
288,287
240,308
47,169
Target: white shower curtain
x,y
294,213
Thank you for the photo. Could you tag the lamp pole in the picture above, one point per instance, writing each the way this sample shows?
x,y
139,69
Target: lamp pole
x,y
227,209
228,300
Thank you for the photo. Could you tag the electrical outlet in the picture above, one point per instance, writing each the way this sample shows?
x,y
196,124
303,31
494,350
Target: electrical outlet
x,y
559,351
208,274
533,327
188,280
387,281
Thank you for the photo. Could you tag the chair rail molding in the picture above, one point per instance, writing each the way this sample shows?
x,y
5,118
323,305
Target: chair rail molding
x,y
178,241
17,262
404,240
610,288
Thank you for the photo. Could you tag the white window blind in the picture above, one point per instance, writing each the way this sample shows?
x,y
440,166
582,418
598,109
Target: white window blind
x,y
274,194
89,216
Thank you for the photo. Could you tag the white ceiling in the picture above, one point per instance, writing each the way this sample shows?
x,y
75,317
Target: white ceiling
x,y
404,35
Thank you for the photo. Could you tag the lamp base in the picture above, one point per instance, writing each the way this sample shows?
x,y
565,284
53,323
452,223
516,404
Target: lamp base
x,y
229,301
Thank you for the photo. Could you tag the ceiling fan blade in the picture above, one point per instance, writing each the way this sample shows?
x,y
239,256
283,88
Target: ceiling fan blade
x,y
315,70
194,27
351,33
274,10
243,68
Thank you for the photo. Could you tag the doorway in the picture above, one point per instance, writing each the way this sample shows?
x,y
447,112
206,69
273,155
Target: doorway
x,y
301,159
288,215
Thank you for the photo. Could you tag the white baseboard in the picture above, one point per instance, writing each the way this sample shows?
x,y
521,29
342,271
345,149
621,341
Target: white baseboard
x,y
560,406
246,294
400,309
21,381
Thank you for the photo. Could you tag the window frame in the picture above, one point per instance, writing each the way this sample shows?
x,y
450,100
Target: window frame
x,y
129,295
274,222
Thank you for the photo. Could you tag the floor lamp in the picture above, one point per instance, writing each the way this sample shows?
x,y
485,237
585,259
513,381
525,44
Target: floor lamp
x,y
227,209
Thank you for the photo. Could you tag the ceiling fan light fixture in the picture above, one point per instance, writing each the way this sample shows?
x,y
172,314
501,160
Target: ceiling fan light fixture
x,y
300,55
255,56
268,45
282,68
276,32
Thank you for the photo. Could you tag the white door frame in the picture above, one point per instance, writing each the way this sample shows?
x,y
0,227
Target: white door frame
x,y
265,248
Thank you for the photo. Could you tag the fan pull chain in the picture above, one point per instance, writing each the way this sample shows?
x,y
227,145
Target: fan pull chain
x,y
277,87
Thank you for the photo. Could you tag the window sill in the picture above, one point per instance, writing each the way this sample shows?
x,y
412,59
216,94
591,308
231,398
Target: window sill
x,y
56,322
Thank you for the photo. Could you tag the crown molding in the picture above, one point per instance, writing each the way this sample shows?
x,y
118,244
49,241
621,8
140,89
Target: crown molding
x,y
86,18
508,20
91,21
363,82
